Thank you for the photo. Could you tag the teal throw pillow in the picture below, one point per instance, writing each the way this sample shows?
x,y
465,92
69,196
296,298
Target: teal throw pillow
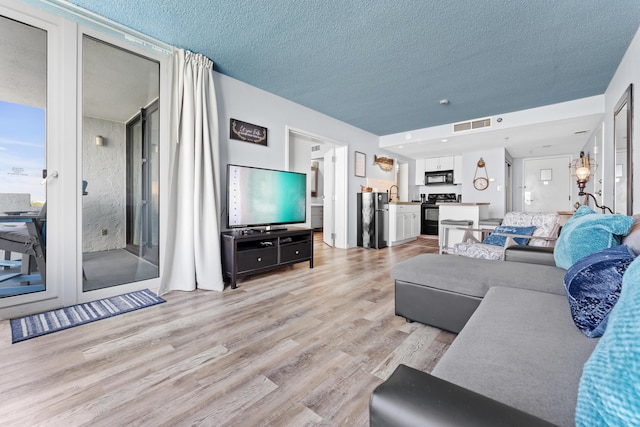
x,y
593,286
609,394
588,232
494,239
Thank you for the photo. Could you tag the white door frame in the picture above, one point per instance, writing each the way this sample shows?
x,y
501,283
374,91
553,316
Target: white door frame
x,y
341,184
328,197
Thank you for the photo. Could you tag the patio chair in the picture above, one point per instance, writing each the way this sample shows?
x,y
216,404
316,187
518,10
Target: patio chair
x,y
25,234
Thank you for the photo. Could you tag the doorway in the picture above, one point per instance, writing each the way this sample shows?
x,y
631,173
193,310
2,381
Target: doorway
x,y
120,156
546,184
303,148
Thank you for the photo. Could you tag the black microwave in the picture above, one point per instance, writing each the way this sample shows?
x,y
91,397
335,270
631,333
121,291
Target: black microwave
x,y
438,178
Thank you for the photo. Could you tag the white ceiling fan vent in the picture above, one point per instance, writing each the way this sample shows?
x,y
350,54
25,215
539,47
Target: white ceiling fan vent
x,y
472,124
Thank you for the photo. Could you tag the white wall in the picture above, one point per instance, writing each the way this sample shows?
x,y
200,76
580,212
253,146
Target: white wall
x,y
241,101
628,72
494,159
104,170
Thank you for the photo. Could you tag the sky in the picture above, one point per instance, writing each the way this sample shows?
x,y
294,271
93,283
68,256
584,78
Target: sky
x,y
22,150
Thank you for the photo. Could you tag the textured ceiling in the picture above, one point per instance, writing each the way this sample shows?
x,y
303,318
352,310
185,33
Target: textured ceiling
x,y
383,65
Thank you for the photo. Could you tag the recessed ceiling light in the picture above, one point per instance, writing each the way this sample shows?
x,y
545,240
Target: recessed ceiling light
x,y
400,146
445,140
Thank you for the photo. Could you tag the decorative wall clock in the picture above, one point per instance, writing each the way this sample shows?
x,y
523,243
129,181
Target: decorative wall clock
x,y
481,183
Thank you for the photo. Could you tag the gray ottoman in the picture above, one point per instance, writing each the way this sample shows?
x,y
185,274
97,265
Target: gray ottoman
x,y
444,290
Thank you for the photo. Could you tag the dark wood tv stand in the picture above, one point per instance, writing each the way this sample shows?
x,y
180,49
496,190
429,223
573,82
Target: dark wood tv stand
x,y
246,252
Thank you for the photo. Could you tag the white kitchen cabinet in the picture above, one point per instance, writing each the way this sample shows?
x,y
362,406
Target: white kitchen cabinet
x,y
420,171
404,223
398,233
457,169
411,224
435,164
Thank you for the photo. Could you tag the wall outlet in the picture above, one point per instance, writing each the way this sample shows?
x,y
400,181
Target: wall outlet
x,y
104,231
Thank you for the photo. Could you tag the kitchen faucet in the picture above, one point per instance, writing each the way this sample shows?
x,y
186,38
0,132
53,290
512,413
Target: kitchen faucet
x,y
391,193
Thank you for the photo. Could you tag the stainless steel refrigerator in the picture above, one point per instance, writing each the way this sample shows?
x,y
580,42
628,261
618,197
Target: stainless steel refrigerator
x,y
373,220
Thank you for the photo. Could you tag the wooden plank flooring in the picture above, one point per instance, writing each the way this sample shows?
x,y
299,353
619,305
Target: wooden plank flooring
x,y
293,347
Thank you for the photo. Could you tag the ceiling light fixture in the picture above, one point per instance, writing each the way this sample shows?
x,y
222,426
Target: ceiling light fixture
x,y
444,140
444,101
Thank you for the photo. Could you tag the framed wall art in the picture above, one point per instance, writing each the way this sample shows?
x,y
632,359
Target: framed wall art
x,y
247,132
361,161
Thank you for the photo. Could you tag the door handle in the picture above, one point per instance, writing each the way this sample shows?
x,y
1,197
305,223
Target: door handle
x,y
49,177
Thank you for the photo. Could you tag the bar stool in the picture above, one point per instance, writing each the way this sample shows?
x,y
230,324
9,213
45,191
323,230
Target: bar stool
x,y
446,225
488,224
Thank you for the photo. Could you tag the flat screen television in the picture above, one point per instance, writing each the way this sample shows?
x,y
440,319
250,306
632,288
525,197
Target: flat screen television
x,y
259,197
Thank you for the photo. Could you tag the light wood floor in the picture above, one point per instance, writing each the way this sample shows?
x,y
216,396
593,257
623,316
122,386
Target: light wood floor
x,y
294,347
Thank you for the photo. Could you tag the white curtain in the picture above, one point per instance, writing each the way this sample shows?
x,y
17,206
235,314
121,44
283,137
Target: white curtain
x,y
193,234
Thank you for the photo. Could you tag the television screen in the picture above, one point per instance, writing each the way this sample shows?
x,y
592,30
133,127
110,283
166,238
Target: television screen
x,y
257,196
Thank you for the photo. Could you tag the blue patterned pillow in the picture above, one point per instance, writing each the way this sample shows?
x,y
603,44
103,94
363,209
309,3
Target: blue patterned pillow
x,y
493,239
588,232
593,285
609,392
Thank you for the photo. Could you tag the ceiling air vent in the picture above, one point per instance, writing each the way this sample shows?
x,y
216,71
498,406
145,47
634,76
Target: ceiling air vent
x,y
459,127
315,148
472,124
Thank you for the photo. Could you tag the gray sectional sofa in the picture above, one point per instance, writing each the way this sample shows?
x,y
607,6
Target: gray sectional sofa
x,y
518,357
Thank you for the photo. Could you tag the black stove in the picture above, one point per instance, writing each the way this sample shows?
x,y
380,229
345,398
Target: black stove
x,y
429,213
435,198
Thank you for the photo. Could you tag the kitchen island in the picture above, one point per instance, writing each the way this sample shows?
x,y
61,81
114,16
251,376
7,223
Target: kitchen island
x,y
474,211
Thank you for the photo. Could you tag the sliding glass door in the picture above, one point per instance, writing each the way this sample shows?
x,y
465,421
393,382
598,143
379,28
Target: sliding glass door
x,y
143,228
82,194
23,141
120,156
